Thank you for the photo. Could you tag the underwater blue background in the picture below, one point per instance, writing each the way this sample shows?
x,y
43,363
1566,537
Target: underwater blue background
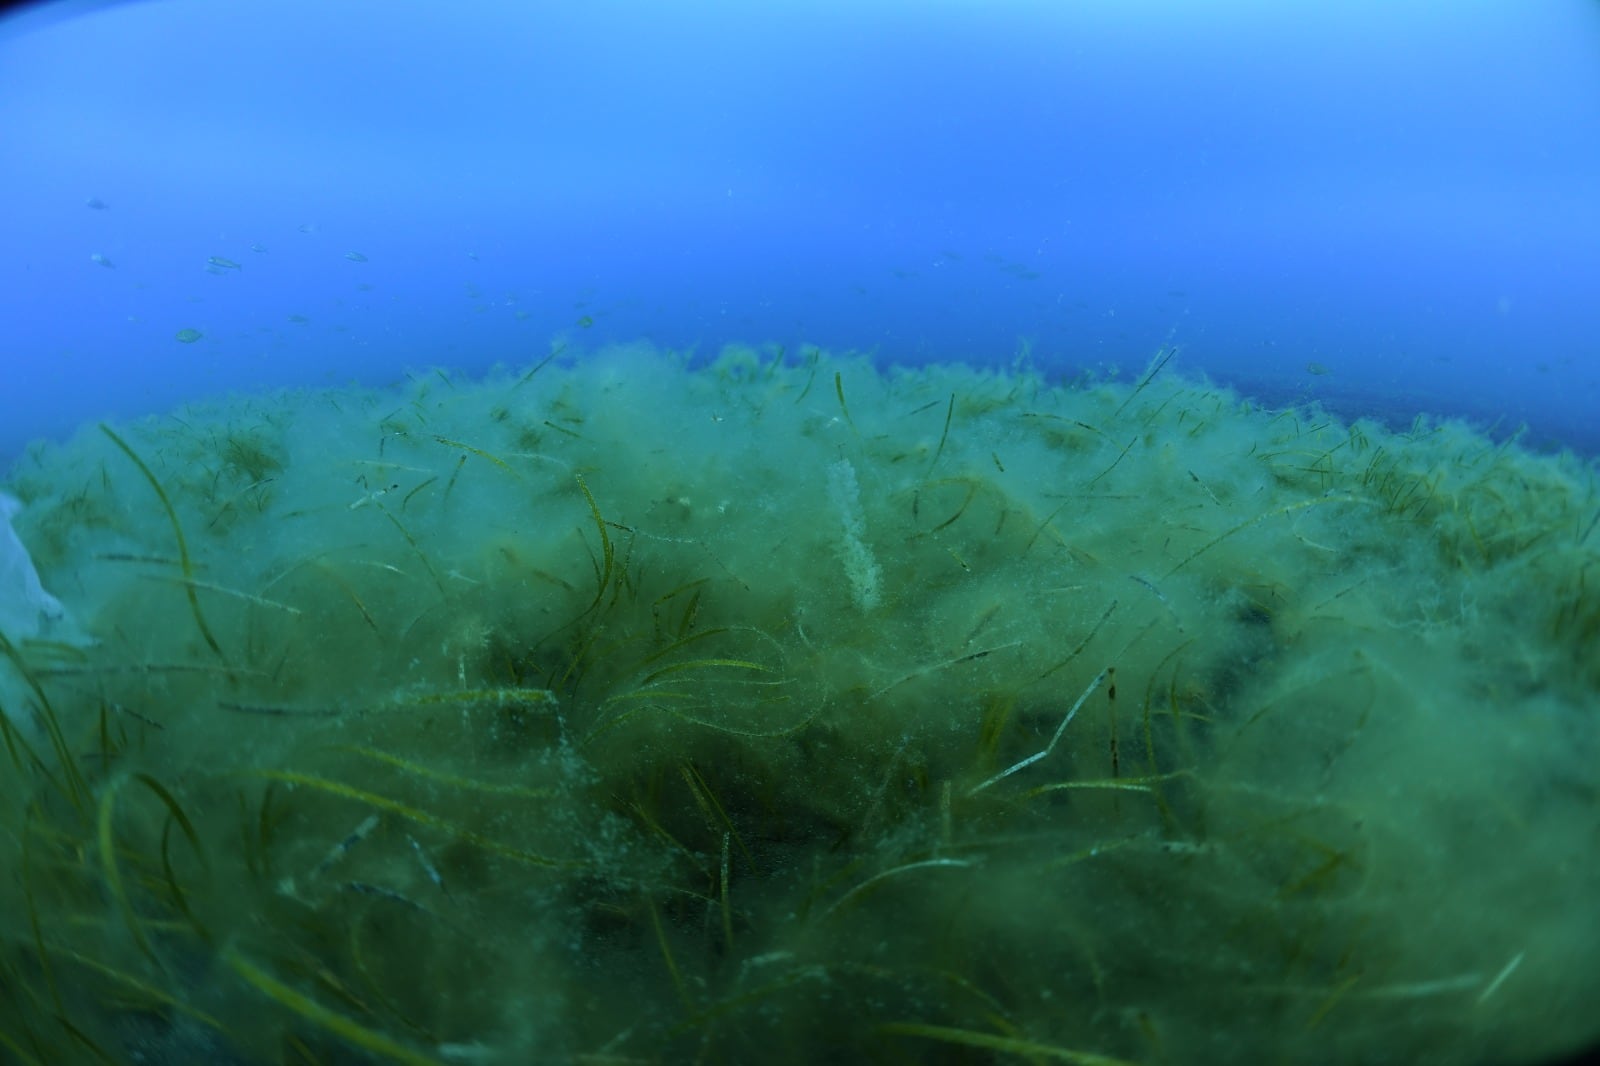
x,y
1393,206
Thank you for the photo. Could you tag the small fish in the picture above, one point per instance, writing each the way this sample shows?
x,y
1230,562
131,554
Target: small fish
x,y
427,864
366,888
585,322
341,849
307,227
223,264
1317,369
355,257
96,257
472,256
188,336
258,247
94,203
299,320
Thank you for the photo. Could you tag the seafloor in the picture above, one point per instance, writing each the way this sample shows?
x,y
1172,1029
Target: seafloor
x,y
794,711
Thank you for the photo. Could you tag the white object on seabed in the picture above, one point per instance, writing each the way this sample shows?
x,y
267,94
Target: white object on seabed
x,y
26,609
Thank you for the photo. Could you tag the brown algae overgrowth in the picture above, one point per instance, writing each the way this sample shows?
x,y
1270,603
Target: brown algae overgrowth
x,y
793,710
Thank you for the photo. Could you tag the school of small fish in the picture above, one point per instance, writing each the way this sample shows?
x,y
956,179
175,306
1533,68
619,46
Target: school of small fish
x,y
221,265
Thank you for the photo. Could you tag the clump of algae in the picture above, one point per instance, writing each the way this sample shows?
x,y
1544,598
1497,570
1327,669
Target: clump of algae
x,y
795,710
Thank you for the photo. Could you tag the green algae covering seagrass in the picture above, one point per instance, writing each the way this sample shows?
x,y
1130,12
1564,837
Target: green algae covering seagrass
x,y
797,711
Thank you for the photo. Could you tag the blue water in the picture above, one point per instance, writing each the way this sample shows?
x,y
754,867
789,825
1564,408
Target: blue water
x,y
1388,206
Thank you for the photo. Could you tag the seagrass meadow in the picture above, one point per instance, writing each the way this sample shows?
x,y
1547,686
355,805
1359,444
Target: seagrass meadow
x,y
793,710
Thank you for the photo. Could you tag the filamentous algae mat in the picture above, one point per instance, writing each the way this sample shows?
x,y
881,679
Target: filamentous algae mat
x,y
794,710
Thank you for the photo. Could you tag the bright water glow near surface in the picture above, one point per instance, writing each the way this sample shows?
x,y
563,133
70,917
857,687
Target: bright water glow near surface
x,y
1386,205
